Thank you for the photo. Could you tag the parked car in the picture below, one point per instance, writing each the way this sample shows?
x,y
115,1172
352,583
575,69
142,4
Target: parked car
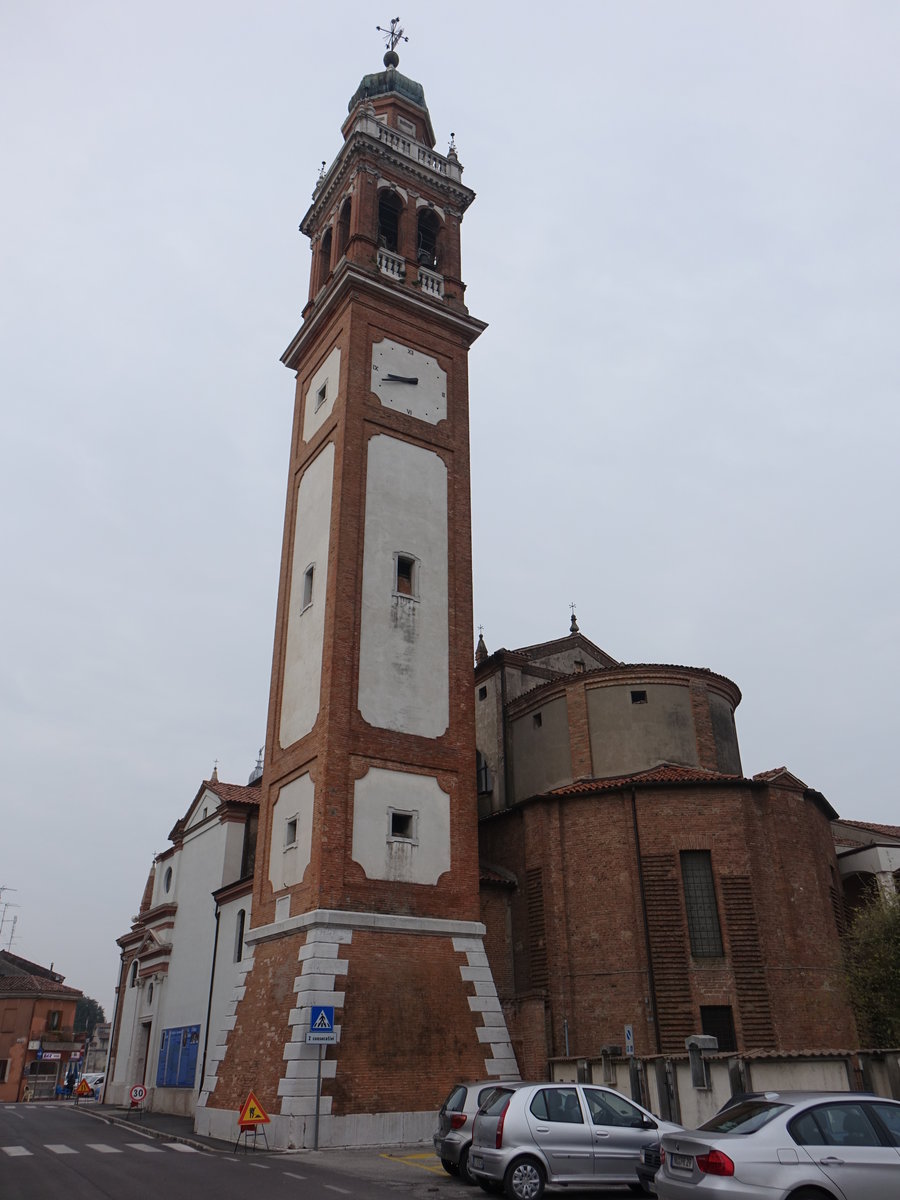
x,y
456,1116
648,1165
788,1146
566,1133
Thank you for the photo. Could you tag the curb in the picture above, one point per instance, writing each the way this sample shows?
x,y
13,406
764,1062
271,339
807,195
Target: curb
x,y
150,1132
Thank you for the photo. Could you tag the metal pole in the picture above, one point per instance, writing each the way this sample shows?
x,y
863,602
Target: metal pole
x,y
318,1097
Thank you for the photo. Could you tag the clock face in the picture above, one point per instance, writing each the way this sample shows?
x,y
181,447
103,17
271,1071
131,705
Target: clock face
x,y
409,382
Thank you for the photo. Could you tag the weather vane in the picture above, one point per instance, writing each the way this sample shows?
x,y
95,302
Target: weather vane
x,y
393,35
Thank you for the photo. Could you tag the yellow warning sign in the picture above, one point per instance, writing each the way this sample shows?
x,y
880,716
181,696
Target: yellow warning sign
x,y
84,1089
252,1113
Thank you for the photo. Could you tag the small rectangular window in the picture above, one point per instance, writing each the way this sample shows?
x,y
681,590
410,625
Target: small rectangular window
x,y
321,395
402,826
290,832
405,582
482,693
537,720
308,576
53,1019
639,697
4,1069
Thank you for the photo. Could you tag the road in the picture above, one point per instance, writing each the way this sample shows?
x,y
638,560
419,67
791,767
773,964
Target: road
x,y
48,1151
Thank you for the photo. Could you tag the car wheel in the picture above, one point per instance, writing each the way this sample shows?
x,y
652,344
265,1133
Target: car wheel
x,y
525,1179
465,1175
449,1167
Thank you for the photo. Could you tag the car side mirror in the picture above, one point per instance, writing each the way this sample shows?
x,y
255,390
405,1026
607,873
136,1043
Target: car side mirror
x,y
648,1124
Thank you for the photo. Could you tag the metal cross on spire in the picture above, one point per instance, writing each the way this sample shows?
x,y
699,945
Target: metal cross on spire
x,y
393,35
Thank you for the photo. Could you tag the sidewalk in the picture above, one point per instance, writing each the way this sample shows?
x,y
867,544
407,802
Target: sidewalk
x,y
413,1167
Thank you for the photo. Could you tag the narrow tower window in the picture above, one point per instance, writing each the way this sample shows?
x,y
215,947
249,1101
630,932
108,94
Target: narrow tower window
x,y
290,833
308,576
325,257
321,395
343,230
239,935
389,208
405,576
427,244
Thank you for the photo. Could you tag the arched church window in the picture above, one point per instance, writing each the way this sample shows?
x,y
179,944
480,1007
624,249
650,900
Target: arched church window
x,y
389,209
427,241
134,970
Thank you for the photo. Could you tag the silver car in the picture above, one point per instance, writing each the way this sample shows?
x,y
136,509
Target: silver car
x,y
567,1133
788,1146
456,1116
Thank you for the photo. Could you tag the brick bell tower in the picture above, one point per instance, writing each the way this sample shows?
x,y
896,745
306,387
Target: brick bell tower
x,y
366,882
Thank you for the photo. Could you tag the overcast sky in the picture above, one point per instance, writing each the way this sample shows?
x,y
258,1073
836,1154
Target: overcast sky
x,y
684,411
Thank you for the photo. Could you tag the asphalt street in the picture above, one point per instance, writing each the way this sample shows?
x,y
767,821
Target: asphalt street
x,y
51,1150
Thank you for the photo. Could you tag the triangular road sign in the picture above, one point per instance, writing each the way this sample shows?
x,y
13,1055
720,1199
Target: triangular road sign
x,y
84,1089
253,1112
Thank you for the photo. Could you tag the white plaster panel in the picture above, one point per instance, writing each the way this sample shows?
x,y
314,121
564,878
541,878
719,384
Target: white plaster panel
x,y
319,950
287,864
404,647
484,1004
306,626
327,376
382,858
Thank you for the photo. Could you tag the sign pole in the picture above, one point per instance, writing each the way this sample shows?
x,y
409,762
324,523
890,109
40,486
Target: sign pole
x,y
318,1099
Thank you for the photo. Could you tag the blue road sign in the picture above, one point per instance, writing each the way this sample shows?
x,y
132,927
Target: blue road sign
x,y
321,1018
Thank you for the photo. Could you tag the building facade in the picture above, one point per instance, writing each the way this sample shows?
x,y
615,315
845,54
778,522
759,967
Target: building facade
x,y
366,894
39,1048
185,952
633,878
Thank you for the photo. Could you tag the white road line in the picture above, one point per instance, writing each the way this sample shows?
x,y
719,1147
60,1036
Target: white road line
x,y
182,1147
60,1149
15,1151
332,1188
290,1176
144,1148
102,1148
259,1166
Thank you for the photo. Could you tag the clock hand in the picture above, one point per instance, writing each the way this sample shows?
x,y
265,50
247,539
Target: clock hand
x,y
401,378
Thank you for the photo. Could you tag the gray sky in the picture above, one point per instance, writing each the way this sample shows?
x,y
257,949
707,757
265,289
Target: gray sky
x,y
684,412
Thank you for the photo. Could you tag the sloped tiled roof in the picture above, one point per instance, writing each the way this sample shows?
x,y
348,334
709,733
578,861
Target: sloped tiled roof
x,y
891,831
664,773
235,793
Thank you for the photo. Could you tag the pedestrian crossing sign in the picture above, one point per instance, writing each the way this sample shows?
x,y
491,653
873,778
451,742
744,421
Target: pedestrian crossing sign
x,y
252,1113
321,1018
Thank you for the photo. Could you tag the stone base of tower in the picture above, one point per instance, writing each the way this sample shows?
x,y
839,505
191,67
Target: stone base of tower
x,y
415,1009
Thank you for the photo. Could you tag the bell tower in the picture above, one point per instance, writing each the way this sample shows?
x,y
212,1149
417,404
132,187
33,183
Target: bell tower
x,y
366,883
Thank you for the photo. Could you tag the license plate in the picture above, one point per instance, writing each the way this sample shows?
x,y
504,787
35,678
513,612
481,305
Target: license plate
x,y
684,1162
477,1162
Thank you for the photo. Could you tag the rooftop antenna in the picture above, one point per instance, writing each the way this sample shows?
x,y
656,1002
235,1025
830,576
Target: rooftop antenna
x,y
12,933
391,37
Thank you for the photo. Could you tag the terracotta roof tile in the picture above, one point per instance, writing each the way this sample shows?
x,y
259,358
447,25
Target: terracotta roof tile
x,y
662,774
36,986
872,827
235,793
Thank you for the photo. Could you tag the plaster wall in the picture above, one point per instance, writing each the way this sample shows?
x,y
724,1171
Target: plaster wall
x,y
541,753
306,623
287,863
404,640
425,856
327,376
627,737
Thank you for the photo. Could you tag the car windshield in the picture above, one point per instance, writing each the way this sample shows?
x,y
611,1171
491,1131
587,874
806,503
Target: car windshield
x,y
744,1118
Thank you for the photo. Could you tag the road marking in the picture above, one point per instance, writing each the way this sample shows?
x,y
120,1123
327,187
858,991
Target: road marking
x,y
290,1176
102,1148
332,1188
15,1151
144,1148
259,1166
182,1147
60,1149
425,1161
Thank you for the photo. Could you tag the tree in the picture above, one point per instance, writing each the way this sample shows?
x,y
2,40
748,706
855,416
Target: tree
x,y
873,968
88,1014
